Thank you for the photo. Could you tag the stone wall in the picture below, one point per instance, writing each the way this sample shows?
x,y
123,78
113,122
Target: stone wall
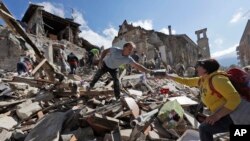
x,y
243,50
11,50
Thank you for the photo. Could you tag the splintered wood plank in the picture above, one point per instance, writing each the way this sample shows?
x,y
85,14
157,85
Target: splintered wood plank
x,y
96,92
11,102
38,66
132,105
40,115
73,138
31,82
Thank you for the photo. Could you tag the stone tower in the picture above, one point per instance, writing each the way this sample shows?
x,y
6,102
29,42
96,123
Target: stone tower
x,y
202,42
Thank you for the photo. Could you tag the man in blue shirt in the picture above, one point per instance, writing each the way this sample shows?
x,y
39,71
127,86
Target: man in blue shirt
x,y
110,61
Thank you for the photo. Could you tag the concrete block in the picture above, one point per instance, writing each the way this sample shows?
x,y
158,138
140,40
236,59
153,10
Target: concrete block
x,y
19,86
125,134
5,135
7,122
153,135
27,108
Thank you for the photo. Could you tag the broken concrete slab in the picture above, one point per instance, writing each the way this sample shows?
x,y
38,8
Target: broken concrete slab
x,y
27,108
19,85
135,92
183,100
7,122
125,134
5,135
153,135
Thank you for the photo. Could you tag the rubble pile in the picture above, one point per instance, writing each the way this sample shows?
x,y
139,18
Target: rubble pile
x,y
32,109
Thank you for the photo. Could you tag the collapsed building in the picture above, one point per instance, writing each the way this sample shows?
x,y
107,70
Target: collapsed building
x,y
47,31
37,21
175,49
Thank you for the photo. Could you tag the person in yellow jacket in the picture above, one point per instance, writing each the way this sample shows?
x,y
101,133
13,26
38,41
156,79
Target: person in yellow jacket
x,y
220,106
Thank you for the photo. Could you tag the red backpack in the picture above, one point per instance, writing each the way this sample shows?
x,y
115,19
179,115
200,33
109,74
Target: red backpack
x,y
240,80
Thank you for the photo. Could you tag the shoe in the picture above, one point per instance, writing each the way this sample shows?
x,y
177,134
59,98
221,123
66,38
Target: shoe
x,y
117,98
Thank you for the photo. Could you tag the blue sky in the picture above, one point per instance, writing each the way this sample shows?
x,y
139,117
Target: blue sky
x,y
225,20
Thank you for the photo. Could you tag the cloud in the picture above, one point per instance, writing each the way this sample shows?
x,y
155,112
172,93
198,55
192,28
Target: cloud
x,y
95,38
238,16
146,24
56,9
78,18
218,42
110,32
226,53
105,39
166,31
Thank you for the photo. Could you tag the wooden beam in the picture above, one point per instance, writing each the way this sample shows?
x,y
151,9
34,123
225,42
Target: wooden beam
x,y
38,66
85,93
32,82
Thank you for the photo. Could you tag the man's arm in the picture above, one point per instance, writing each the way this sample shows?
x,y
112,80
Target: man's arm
x,y
104,53
140,67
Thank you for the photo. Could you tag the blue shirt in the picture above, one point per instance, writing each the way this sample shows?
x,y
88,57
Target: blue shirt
x,y
115,58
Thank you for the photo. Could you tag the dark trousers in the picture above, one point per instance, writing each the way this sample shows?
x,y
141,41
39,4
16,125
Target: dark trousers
x,y
113,72
73,67
90,59
207,130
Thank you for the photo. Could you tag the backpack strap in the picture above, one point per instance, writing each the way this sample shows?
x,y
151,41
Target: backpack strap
x,y
201,80
214,91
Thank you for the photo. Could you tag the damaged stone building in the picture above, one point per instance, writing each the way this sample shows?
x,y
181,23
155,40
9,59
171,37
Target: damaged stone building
x,y
40,22
47,31
175,49
243,50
